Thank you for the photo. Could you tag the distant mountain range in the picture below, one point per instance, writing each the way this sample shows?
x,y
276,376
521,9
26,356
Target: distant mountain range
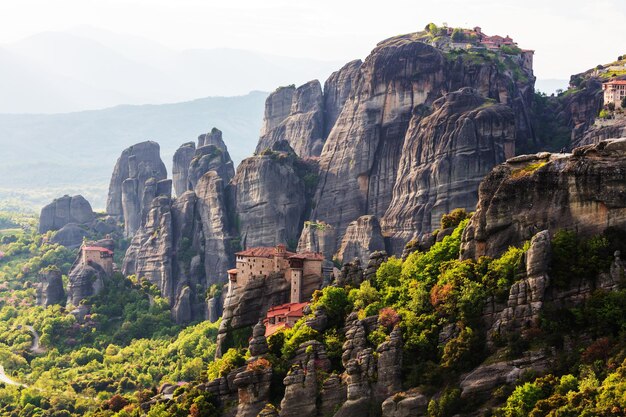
x,y
45,156
88,68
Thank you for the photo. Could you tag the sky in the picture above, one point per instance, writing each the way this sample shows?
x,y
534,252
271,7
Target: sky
x,y
568,36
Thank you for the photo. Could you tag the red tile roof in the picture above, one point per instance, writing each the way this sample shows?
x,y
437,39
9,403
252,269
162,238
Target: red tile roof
x,y
232,271
261,252
98,248
616,82
289,309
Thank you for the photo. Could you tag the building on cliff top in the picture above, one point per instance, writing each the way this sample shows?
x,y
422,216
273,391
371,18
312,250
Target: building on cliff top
x,y
614,92
283,316
259,262
98,255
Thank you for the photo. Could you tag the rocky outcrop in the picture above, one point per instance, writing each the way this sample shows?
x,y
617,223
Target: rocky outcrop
x,y
253,388
245,306
214,217
85,280
128,199
613,129
300,392
362,238
167,251
389,366
479,383
406,404
258,343
210,158
65,210
213,138
318,237
300,123
392,93
270,198
582,191
445,156
50,287
337,89
180,167
71,235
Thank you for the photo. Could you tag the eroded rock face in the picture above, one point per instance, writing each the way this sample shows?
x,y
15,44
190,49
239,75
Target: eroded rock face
x,y
393,91
301,122
581,191
50,288
167,250
362,238
138,164
337,89
595,135
253,389
71,235
445,156
180,167
210,158
270,199
65,210
213,211
245,306
408,404
84,281
318,237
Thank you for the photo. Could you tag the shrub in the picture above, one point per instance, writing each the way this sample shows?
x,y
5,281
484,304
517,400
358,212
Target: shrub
x,y
231,360
388,318
259,365
454,218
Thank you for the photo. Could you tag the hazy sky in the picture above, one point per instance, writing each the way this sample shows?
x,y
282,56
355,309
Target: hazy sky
x,y
568,35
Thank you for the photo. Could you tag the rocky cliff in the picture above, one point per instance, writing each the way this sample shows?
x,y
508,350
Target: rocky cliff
x,y
191,163
65,210
270,197
337,89
129,193
180,167
395,88
299,122
582,191
443,160
363,237
50,287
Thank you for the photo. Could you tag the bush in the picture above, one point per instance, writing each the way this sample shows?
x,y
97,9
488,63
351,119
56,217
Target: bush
x,y
232,359
454,218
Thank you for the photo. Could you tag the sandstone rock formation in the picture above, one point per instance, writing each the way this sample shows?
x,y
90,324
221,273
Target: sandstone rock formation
x,y
214,216
444,158
407,404
392,92
362,238
212,155
269,197
71,235
180,167
84,281
127,199
65,210
318,237
50,287
299,122
580,191
167,252
337,89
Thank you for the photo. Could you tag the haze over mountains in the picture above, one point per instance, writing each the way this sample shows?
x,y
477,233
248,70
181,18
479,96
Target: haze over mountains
x,y
87,68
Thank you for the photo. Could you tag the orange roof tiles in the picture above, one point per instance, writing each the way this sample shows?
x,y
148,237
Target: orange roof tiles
x,y
289,309
98,248
616,82
308,255
261,252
